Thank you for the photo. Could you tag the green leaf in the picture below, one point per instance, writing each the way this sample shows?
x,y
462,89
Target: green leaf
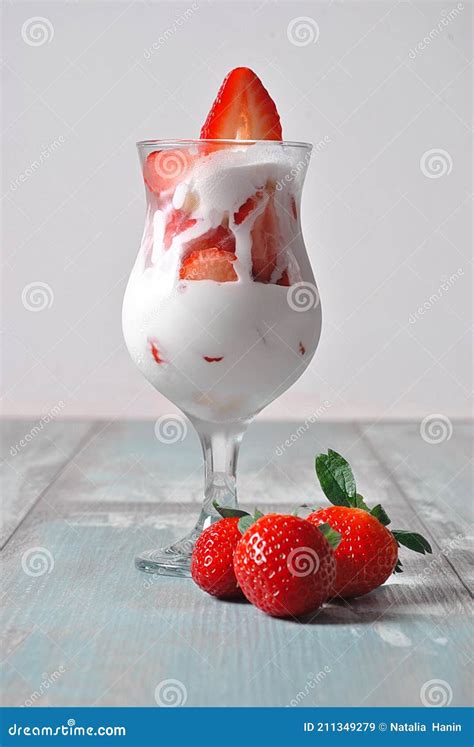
x,y
398,568
336,478
244,523
257,514
412,540
228,513
380,514
331,535
359,502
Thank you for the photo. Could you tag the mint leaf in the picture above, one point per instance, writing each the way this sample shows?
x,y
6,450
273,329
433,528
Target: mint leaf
x,y
244,523
331,535
412,540
336,478
380,514
228,513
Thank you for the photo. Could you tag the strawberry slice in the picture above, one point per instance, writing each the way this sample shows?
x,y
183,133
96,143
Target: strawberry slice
x,y
218,238
164,169
242,110
294,209
284,279
155,352
177,222
209,264
265,243
248,207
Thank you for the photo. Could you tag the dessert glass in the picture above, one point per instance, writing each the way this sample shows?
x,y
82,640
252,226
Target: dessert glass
x,y
220,349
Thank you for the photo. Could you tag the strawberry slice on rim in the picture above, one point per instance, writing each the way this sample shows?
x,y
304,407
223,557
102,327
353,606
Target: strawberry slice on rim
x,y
242,110
209,264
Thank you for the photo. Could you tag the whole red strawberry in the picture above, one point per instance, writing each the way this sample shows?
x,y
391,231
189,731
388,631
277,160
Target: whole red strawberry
x,y
367,552
284,566
211,562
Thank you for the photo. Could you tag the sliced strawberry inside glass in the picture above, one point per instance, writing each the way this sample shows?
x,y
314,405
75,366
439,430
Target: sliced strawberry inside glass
x,y
155,352
284,279
265,239
294,209
177,222
164,169
242,110
248,207
219,238
209,264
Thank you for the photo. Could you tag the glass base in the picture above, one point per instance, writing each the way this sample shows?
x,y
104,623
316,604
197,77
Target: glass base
x,y
175,559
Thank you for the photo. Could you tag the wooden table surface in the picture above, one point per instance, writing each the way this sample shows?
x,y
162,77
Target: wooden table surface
x,y
81,626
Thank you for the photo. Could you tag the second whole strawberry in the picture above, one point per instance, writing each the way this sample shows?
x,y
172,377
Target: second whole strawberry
x,y
284,566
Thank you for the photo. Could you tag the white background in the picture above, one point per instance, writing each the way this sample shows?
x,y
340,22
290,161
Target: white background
x,y
383,236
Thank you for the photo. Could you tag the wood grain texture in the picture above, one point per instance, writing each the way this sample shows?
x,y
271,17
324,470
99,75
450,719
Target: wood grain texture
x,y
114,634
436,480
32,455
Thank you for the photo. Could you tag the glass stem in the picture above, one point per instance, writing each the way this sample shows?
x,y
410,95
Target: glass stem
x,y
220,445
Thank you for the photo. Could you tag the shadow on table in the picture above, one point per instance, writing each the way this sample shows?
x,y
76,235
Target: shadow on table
x,y
379,605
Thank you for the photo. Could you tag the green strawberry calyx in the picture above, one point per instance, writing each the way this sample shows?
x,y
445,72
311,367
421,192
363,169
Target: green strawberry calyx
x,y
338,483
246,520
229,513
332,536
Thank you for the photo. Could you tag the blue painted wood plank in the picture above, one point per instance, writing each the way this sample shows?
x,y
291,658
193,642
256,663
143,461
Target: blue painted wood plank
x,y
32,454
109,635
